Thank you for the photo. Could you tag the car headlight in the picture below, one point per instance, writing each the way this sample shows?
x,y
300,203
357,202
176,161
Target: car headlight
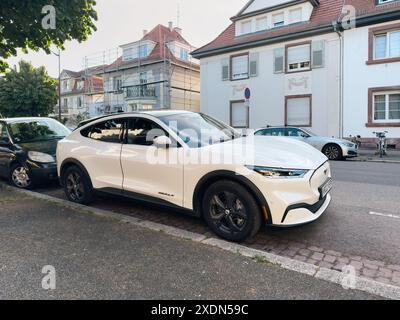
x,y
279,173
349,144
40,157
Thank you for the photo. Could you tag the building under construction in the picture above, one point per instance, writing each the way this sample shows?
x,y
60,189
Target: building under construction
x,y
156,72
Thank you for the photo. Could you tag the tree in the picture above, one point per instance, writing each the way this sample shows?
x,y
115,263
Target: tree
x,y
27,91
38,24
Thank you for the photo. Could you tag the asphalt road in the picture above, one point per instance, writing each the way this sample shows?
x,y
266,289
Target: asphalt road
x,y
98,258
348,226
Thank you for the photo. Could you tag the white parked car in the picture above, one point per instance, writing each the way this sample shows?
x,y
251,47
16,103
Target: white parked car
x,y
334,149
192,161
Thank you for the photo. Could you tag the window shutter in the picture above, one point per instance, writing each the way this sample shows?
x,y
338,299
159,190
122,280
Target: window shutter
x,y
298,112
318,49
298,54
254,64
225,69
279,60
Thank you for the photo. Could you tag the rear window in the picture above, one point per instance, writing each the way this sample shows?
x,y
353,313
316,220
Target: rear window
x,y
108,131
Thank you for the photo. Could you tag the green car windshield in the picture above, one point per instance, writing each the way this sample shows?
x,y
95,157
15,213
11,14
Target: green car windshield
x,y
37,130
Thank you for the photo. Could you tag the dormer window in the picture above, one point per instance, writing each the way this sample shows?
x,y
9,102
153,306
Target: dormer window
x,y
385,1
246,27
143,51
278,20
183,54
261,24
295,15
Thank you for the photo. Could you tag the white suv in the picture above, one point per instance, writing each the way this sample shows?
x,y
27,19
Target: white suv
x,y
194,162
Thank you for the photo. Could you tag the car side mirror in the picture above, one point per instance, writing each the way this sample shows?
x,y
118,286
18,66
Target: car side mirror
x,y
162,142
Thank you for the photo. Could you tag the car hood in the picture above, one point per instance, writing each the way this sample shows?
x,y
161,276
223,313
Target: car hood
x,y
266,151
48,147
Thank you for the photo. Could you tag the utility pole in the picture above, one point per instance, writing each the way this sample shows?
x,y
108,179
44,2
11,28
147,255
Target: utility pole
x,y
59,83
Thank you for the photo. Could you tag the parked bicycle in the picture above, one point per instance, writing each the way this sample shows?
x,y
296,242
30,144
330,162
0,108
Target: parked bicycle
x,y
382,146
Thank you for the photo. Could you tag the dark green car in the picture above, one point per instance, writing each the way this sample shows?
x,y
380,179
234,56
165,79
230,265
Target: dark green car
x,y
28,150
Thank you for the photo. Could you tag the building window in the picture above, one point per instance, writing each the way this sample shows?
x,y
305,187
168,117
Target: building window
x,y
298,58
143,51
225,69
183,54
245,27
128,54
278,20
298,111
295,15
239,115
385,1
240,67
387,107
117,84
261,24
143,78
79,102
80,85
384,107
384,44
279,60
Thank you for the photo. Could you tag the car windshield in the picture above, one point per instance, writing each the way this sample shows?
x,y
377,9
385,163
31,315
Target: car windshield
x,y
199,130
37,130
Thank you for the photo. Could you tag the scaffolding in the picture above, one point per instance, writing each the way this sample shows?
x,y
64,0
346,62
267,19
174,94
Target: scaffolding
x,y
140,84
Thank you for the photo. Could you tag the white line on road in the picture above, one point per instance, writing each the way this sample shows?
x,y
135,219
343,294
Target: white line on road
x,y
387,215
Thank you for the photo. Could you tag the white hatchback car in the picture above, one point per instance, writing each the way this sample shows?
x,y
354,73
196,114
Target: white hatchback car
x,y
194,162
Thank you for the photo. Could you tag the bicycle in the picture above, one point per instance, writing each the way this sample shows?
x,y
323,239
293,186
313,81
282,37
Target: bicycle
x,y
381,143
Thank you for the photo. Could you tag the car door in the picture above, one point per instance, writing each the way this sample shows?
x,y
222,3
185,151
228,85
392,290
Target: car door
x,y
101,153
150,171
6,155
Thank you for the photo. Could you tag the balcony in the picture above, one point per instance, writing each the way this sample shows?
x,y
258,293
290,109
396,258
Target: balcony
x,y
141,92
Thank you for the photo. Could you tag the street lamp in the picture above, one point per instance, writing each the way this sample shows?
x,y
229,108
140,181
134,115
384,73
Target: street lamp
x,y
59,82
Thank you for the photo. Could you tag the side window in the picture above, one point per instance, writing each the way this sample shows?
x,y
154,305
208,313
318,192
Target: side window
x,y
293,132
143,131
277,132
109,131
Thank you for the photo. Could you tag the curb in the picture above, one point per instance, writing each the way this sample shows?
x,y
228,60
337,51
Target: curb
x,y
361,284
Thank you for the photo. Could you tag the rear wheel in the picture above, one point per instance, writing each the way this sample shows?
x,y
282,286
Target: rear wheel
x,y
333,152
77,186
231,211
20,177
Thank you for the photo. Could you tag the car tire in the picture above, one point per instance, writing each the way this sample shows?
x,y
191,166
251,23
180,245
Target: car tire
x,y
21,177
333,152
77,185
231,211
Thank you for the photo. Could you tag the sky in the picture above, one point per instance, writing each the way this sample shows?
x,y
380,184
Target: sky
x,y
123,21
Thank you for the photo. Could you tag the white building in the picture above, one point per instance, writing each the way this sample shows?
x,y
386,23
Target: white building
x,y
301,67
372,72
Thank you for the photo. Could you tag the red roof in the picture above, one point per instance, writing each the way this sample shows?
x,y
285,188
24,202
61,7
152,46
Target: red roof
x,y
322,16
160,35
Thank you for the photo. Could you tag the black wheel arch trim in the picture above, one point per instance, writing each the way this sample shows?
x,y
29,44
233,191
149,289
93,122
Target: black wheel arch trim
x,y
230,175
311,207
71,161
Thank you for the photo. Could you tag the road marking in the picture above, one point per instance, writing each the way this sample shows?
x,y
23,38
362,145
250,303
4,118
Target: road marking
x,y
386,215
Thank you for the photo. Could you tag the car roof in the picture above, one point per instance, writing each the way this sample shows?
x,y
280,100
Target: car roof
x,y
155,113
23,119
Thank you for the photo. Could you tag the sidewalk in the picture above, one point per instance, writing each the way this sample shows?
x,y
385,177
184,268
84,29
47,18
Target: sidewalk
x,y
370,155
102,258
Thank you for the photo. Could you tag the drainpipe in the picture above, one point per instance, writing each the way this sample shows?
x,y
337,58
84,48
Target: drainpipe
x,y
341,78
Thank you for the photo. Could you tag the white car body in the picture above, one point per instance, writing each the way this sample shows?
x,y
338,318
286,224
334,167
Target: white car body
x,y
125,168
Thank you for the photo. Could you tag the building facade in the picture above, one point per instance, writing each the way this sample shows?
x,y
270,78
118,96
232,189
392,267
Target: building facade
x,y
305,67
155,72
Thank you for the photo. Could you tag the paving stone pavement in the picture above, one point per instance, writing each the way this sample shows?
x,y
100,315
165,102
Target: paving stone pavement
x,y
322,257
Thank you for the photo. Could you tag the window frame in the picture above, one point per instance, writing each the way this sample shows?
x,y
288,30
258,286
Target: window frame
x,y
231,103
301,96
298,44
232,69
372,92
126,130
372,33
90,127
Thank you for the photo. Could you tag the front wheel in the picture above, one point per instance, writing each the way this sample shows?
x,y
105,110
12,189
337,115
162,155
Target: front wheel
x,y
231,211
333,152
21,177
77,186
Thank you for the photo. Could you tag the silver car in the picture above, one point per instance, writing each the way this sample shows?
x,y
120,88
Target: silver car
x,y
334,149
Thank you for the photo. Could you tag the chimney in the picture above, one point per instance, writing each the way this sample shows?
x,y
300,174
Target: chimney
x,y
178,30
145,33
171,25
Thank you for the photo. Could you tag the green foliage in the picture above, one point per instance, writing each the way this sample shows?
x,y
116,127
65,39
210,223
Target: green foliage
x,y
28,91
21,25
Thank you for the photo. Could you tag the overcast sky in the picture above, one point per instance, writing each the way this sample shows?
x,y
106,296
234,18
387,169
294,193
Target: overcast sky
x,y
123,21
